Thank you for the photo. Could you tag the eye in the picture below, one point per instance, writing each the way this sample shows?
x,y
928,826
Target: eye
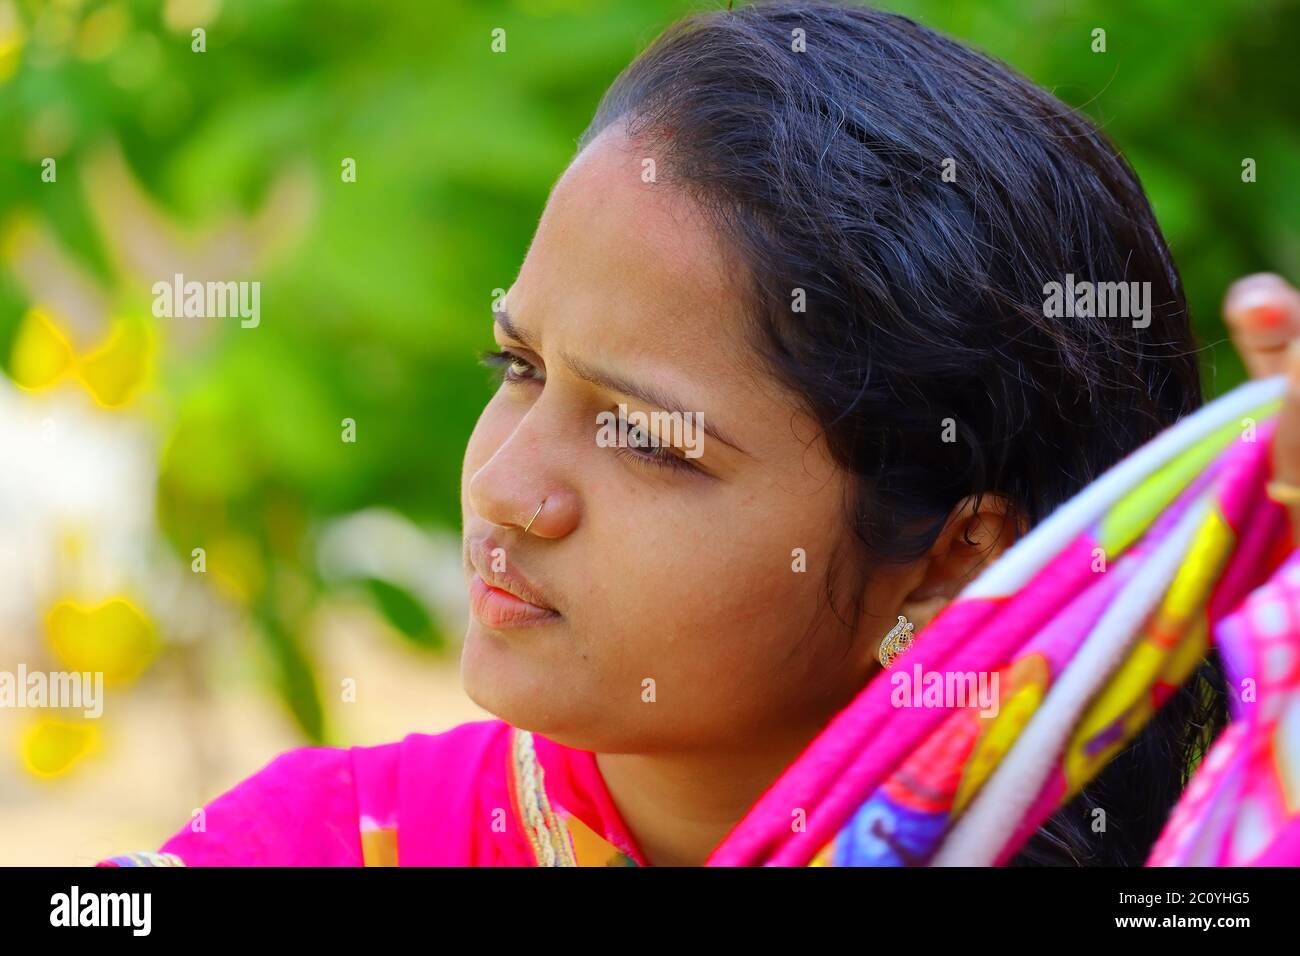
x,y
510,366
642,450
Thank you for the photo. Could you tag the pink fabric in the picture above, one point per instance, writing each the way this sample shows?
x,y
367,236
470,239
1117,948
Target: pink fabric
x,y
299,810
575,786
1243,807
447,797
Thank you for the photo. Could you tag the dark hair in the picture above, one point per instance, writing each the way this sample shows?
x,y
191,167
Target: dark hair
x,y
924,295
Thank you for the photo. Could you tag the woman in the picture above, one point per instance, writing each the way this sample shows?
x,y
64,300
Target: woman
x,y
819,235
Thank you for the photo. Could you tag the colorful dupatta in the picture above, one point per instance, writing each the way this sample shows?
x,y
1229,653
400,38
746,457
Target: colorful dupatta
x,y
1089,623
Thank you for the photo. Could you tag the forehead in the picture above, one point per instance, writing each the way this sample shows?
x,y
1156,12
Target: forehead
x,y
629,275
622,267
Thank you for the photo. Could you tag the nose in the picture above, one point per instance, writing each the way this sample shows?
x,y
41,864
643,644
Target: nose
x,y
522,486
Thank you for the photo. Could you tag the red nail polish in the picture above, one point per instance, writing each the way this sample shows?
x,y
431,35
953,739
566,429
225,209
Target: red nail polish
x,y
1267,316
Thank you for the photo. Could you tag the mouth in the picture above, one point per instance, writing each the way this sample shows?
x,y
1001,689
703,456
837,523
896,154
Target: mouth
x,y
500,610
503,600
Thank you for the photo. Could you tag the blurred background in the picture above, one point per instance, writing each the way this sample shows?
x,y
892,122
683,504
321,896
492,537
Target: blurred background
x,y
253,532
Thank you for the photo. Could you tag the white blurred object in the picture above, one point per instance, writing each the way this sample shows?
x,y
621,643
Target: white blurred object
x,y
76,502
379,543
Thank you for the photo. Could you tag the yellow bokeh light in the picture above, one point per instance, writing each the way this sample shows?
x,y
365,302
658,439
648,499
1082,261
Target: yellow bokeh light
x,y
114,637
51,747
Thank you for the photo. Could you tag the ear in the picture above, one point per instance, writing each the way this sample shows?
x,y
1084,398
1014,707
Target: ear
x,y
975,535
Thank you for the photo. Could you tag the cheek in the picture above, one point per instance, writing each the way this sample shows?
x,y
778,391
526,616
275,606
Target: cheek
x,y
727,660
706,558
708,605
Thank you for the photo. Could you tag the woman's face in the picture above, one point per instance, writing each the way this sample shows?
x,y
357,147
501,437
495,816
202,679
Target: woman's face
x,y
678,617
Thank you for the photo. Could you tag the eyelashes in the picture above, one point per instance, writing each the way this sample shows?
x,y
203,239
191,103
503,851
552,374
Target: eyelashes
x,y
512,368
649,454
509,366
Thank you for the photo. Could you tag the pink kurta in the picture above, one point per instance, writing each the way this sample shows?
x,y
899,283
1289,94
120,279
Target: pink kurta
x,y
481,794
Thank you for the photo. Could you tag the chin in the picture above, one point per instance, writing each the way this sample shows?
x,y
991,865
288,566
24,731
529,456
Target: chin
x,y
501,676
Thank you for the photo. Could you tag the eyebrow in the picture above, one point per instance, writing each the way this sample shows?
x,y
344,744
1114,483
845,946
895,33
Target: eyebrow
x,y
616,383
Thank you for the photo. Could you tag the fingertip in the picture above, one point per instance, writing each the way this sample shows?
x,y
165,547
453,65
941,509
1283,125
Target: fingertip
x,y
1255,280
1263,301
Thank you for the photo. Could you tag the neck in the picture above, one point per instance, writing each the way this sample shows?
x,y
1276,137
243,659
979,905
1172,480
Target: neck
x,y
679,807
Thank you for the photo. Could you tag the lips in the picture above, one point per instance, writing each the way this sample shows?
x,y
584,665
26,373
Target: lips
x,y
504,599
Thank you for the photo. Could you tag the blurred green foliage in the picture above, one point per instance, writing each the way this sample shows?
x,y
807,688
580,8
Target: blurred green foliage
x,y
376,313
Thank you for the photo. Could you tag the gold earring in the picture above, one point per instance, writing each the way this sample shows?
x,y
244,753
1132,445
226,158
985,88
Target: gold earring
x,y
898,640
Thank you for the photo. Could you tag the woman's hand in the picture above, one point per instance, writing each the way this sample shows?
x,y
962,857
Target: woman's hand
x,y
1263,314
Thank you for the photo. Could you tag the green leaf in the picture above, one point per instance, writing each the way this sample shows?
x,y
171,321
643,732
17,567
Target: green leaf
x,y
404,613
